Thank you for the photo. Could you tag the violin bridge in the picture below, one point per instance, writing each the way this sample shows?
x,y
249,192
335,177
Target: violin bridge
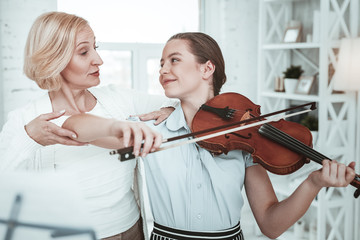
x,y
246,116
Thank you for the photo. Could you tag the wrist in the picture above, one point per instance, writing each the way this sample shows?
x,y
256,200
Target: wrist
x,y
115,129
29,132
312,181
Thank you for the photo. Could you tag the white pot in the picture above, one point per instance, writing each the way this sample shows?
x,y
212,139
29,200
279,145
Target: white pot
x,y
290,84
299,229
315,138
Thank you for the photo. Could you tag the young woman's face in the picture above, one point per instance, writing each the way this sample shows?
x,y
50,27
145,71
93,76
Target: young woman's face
x,y
83,69
180,74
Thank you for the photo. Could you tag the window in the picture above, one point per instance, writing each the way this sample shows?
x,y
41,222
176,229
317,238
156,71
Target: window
x,y
118,65
131,35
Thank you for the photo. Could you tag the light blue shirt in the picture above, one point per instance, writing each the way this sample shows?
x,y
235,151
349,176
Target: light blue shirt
x,y
191,189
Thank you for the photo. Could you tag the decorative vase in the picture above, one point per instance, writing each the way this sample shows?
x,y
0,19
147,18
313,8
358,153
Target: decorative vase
x,y
290,84
299,229
279,84
315,137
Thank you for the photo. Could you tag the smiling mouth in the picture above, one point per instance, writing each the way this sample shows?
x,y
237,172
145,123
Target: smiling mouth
x,y
97,73
166,81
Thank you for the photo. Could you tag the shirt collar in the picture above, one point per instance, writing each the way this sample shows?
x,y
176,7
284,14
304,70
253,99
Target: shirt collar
x,y
176,120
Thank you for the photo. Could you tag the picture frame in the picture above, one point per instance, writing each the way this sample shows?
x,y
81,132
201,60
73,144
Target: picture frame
x,y
292,34
305,84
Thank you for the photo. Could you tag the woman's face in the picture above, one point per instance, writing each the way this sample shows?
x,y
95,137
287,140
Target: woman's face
x,y
180,74
83,69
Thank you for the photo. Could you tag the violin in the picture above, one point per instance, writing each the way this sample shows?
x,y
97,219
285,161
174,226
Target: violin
x,y
280,146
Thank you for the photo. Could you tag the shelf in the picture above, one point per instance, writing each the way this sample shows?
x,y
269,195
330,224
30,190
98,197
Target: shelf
x,y
335,112
281,46
282,1
290,235
292,96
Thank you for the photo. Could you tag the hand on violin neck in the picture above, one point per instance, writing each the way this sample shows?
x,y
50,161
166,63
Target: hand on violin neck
x,y
333,174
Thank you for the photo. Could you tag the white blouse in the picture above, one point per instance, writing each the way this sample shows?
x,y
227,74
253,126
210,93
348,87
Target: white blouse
x,y
191,189
105,181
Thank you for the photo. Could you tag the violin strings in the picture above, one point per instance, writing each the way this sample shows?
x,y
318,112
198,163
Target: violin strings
x,y
286,142
293,146
304,149
316,156
290,142
301,147
293,143
286,137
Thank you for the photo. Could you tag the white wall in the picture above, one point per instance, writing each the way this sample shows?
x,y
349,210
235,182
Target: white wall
x,y
1,71
234,24
16,17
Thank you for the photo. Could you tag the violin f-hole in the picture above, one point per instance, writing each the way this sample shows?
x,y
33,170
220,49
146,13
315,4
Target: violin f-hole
x,y
239,135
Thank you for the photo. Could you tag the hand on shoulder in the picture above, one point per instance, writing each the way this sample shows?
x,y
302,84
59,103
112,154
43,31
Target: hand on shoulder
x,y
159,116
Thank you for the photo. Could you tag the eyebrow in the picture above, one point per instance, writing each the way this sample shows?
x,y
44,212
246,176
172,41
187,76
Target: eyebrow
x,y
85,42
170,55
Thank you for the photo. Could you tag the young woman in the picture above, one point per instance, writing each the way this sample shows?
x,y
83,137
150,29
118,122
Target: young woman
x,y
61,57
193,193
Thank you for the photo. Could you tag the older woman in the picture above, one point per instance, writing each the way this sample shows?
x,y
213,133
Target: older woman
x,y
61,57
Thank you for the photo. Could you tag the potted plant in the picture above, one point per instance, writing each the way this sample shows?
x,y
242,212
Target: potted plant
x,y
311,122
291,77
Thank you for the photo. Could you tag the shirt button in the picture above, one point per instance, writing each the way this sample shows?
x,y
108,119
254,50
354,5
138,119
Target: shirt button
x,y
199,216
199,185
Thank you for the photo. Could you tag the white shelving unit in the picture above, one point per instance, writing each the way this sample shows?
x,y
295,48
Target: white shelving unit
x,y
334,207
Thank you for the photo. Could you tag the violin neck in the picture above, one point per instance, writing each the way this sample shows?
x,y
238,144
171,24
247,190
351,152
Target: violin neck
x,y
295,145
291,143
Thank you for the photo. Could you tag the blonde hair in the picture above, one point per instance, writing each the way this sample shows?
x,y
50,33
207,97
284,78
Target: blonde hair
x,y
50,46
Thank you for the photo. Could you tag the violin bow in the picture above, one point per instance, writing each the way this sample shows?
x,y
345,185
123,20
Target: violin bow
x,y
127,153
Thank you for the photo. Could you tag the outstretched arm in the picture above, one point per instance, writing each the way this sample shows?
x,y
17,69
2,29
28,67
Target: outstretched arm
x,y
274,217
44,132
110,133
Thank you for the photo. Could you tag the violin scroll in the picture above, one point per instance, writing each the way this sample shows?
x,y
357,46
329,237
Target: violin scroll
x,y
357,193
356,183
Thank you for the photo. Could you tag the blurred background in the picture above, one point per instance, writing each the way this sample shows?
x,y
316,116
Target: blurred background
x,y
258,48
